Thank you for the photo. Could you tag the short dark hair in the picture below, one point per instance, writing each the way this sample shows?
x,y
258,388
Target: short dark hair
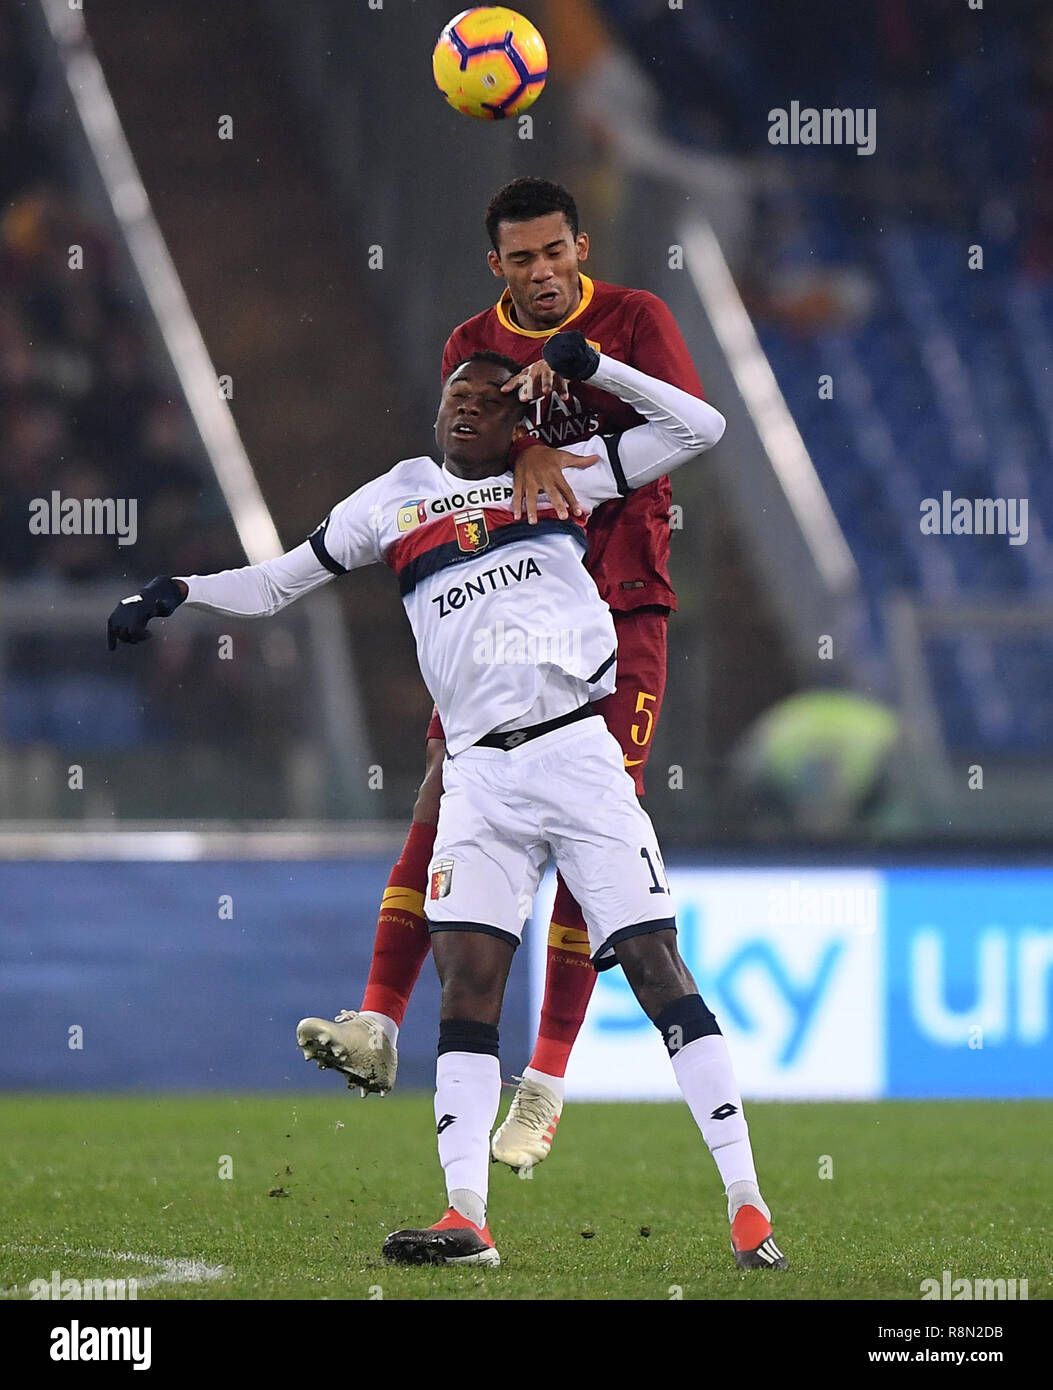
x,y
524,199
486,355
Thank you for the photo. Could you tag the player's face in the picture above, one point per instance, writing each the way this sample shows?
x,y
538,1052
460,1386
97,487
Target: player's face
x,y
476,422
540,260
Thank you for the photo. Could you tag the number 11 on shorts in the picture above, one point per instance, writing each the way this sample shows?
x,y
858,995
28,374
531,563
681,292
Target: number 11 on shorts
x,y
658,885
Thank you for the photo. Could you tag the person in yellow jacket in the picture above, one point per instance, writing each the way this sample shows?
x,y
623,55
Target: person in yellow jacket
x,y
819,763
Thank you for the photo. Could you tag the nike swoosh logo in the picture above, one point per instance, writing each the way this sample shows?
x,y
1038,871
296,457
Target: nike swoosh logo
x,y
633,762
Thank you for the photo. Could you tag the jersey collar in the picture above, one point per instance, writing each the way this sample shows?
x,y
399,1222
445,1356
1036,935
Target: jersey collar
x,y
463,483
504,305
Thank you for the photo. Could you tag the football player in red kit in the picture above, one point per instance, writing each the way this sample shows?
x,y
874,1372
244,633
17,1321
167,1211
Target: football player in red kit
x,y
538,249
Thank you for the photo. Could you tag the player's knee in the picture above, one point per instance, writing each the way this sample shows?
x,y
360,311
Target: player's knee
x,y
469,979
655,970
426,807
471,994
472,976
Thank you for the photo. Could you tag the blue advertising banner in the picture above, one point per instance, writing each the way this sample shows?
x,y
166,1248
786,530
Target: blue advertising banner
x,y
855,984
791,964
969,971
193,975
828,983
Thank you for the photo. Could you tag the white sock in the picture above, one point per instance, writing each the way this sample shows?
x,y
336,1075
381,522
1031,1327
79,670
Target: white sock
x,y
555,1084
469,1204
388,1026
467,1092
741,1194
705,1076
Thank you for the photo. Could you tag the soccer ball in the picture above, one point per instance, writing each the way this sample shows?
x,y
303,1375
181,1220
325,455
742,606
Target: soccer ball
x,y
490,63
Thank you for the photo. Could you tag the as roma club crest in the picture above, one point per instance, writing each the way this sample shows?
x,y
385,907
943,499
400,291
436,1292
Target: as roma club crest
x,y
411,514
441,879
471,531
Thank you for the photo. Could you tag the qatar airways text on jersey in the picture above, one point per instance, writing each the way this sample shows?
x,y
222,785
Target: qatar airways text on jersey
x,y
557,422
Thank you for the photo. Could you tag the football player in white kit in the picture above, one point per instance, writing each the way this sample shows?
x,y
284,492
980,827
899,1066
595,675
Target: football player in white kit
x,y
515,644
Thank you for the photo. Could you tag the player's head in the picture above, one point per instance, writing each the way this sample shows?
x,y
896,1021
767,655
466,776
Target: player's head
x,y
477,421
537,248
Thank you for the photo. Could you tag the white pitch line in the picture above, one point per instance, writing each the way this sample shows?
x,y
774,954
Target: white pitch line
x,y
171,1271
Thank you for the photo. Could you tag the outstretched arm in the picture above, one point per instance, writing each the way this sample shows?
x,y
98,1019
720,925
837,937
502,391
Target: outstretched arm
x,y
345,540
257,591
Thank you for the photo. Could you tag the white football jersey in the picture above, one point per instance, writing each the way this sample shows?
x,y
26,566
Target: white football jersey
x,y
493,602
497,606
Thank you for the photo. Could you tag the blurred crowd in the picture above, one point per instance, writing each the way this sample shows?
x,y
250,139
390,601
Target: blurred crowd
x,y
964,98
88,410
84,408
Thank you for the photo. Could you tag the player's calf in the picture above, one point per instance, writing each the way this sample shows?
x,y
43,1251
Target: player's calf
x,y
467,1092
702,1065
655,970
473,967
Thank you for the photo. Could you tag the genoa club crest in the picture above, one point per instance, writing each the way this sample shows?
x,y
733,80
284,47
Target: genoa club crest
x,y
411,514
471,531
441,879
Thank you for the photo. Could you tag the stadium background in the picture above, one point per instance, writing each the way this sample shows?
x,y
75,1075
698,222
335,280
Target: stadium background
x,y
859,828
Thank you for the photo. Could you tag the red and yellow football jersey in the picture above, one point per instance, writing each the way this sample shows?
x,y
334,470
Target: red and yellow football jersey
x,y
628,540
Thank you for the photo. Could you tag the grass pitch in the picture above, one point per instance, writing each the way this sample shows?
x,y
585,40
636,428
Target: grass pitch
x,y
629,1206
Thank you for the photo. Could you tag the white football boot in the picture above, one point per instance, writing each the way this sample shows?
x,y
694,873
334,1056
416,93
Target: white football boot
x,y
354,1045
525,1138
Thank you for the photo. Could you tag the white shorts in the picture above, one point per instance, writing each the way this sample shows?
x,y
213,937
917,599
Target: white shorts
x,y
502,812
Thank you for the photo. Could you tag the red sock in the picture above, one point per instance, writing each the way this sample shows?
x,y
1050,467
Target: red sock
x,y
402,942
569,980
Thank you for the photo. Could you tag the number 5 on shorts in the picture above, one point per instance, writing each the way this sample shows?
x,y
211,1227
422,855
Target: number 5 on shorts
x,y
641,733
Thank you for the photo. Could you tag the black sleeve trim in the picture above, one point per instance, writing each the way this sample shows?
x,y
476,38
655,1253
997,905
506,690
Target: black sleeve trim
x,y
317,539
611,441
602,670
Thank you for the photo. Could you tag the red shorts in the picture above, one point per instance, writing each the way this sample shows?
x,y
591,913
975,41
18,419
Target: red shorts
x,y
632,711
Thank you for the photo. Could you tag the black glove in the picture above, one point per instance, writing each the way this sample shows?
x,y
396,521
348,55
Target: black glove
x,y
158,599
570,355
